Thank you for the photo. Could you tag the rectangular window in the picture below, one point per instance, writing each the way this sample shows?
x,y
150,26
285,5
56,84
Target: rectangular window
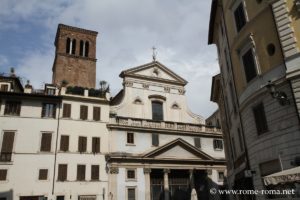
x,y
50,91
12,108
239,16
269,167
7,146
49,110
46,142
4,88
95,172
60,197
218,144
130,174
3,174
96,145
157,111
220,176
43,174
96,113
155,139
130,138
249,65
82,144
83,112
80,172
197,142
64,143
67,110
260,119
131,194
62,172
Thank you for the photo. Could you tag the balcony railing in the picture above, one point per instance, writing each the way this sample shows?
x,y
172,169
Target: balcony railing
x,y
147,123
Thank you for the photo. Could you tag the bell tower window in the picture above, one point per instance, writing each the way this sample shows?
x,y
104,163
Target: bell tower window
x,y
68,45
81,48
87,45
73,45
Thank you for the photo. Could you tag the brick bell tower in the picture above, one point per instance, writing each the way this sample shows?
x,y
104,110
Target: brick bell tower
x,y
75,57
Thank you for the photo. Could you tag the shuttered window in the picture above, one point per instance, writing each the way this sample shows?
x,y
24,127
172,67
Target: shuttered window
x,y
131,194
260,119
3,174
249,65
80,172
7,146
62,172
157,111
4,88
155,139
64,143
46,142
197,142
130,138
66,110
43,174
82,144
96,113
96,145
95,172
83,112
12,108
218,144
49,110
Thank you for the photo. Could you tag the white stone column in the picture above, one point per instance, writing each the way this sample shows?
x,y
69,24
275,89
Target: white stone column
x,y
112,195
147,172
166,183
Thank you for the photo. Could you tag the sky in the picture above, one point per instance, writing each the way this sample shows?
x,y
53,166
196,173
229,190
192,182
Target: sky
x,y
127,31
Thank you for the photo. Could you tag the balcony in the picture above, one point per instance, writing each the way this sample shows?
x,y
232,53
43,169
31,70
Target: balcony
x,y
172,126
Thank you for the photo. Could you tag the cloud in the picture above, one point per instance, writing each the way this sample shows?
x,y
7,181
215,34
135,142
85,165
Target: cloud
x,y
127,31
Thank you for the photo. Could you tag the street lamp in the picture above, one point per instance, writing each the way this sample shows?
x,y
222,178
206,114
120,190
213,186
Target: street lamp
x,y
279,95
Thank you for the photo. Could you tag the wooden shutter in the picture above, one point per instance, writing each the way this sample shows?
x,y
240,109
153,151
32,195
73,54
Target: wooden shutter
x,y
3,174
64,143
4,88
82,144
95,172
46,142
96,145
54,111
96,113
80,172
7,142
155,139
62,172
44,107
67,110
197,141
43,174
83,112
12,108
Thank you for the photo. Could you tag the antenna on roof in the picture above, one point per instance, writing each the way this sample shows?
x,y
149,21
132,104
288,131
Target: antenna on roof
x,y
154,54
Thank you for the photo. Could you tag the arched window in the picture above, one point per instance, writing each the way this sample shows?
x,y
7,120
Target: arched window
x,y
81,48
157,111
68,44
87,45
73,46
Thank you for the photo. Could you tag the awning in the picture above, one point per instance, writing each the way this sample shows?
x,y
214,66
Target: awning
x,y
289,175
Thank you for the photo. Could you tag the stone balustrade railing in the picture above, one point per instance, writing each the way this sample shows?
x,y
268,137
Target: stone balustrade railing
x,y
147,123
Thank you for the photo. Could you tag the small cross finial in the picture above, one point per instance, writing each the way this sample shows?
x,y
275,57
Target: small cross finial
x,y
154,53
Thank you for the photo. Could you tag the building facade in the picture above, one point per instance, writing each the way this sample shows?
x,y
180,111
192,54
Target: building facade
x,y
260,121
71,141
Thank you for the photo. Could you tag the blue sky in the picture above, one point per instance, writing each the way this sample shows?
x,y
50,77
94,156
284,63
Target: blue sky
x,y
127,31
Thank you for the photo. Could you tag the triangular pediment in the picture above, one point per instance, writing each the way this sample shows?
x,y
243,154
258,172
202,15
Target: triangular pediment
x,y
154,71
178,149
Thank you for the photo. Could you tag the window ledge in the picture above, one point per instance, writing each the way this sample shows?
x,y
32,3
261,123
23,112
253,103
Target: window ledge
x,y
129,144
218,149
131,180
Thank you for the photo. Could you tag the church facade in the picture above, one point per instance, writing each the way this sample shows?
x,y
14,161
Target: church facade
x,y
72,141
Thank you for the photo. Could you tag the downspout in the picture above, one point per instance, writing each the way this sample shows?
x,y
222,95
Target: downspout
x,y
56,144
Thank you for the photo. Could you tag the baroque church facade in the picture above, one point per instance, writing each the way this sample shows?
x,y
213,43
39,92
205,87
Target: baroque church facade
x,y
72,141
